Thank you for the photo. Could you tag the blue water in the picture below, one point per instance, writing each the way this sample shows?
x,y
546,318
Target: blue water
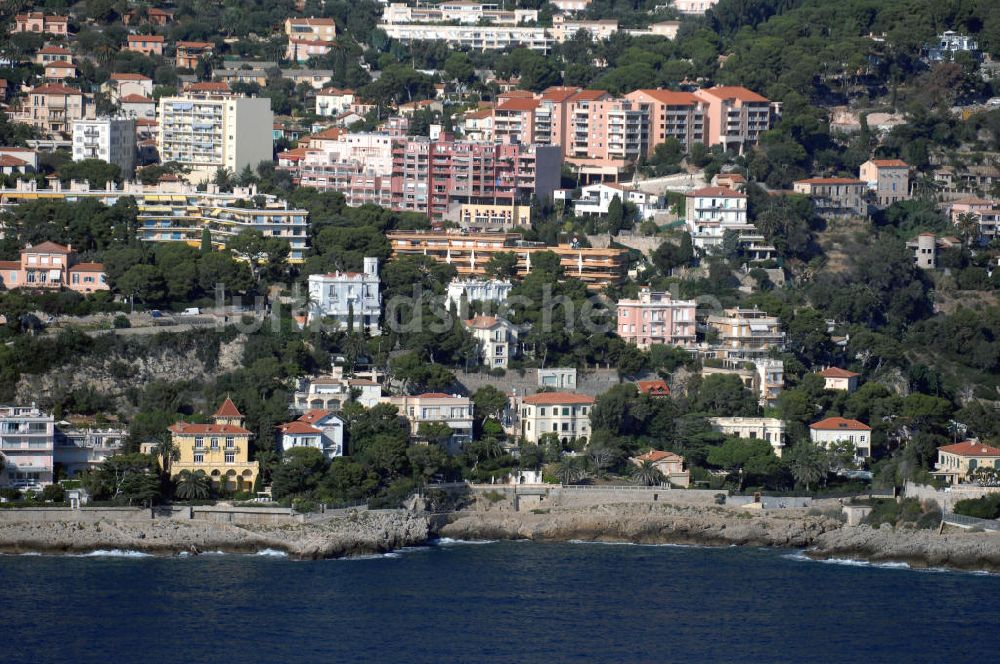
x,y
494,602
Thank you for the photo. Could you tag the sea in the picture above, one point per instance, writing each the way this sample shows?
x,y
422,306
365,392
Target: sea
x,y
509,602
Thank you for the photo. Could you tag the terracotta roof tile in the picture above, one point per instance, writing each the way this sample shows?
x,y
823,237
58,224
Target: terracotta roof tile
x,y
971,448
838,424
551,398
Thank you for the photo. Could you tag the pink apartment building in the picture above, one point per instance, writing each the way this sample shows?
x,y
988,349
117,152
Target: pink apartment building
x,y
145,44
678,115
656,318
52,266
734,116
53,108
986,213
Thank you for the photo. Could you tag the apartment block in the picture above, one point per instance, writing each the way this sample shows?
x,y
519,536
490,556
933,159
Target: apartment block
x,y
711,211
491,291
471,37
486,216
835,198
470,252
888,180
764,376
176,212
189,53
317,29
985,212
108,139
209,131
463,12
564,414
343,296
331,102
679,115
27,446
656,318
746,332
433,407
565,28
735,116
768,429
79,449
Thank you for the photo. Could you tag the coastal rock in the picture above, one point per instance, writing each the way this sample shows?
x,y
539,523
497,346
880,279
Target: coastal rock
x,y
918,548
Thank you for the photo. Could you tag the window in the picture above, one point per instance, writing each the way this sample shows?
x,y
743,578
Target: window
x,y
230,457
215,443
555,427
565,411
541,412
199,441
199,458
230,441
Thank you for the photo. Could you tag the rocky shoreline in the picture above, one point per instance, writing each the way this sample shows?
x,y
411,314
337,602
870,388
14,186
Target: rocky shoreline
x,y
361,533
820,536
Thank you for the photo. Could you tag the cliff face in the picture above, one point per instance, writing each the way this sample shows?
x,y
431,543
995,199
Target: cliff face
x,y
918,548
356,534
134,365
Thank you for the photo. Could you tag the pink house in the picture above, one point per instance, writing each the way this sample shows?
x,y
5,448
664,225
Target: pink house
x,y
145,44
656,318
52,266
40,23
669,464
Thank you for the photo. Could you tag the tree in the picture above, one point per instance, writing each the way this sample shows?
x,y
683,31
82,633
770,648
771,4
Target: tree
x,y
502,266
193,485
252,246
616,215
809,463
647,474
206,242
438,433
489,402
299,472
744,458
570,470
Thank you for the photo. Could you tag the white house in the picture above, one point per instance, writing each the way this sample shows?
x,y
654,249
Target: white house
x,y
768,429
497,339
840,379
333,391
331,102
319,429
595,199
451,409
710,211
342,296
565,414
493,291
841,430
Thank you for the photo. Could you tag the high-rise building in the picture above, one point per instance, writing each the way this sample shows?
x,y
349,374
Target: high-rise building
x,y
206,131
108,139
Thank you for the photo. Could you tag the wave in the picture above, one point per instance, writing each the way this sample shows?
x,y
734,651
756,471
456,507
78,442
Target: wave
x,y
271,552
114,553
448,541
373,556
855,562
662,545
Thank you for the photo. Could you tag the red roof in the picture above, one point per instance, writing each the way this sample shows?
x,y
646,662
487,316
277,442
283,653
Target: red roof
x,y
314,415
433,395
47,248
890,163
518,104
559,93
659,455
669,97
830,181
550,398
135,99
54,50
311,21
228,409
10,265
299,427
839,423
716,192
195,44
971,448
653,387
7,161
483,322
734,92
55,89
87,267
61,64
185,428
142,38
588,95
334,92
124,76
834,372
209,86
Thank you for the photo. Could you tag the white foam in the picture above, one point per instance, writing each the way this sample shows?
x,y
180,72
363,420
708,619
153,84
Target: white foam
x,y
854,562
374,556
664,545
448,541
115,553
272,552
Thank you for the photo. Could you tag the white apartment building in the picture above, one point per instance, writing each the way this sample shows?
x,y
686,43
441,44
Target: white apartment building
x,y
346,295
497,339
710,211
333,391
318,429
746,332
27,442
693,7
842,430
595,199
493,291
464,12
565,414
768,429
453,410
108,139
471,37
79,449
331,102
206,132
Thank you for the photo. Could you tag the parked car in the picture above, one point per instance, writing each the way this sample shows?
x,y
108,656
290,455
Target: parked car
x,y
191,311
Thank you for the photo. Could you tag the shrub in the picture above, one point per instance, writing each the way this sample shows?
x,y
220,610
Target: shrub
x,y
10,494
987,507
54,492
121,322
493,496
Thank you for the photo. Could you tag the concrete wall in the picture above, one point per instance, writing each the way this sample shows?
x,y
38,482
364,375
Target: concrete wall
x,y
528,497
85,515
946,498
236,515
593,381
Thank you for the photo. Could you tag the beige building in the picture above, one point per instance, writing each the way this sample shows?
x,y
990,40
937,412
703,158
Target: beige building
x,y
52,108
486,216
208,131
956,462
835,197
840,379
565,414
746,331
768,429
220,449
887,179
497,339
735,116
670,465
451,409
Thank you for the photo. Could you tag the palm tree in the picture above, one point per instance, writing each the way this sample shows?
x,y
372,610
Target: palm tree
x,y
167,453
569,471
193,486
967,224
647,474
926,188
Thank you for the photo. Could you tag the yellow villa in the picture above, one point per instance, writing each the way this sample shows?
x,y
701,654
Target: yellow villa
x,y
221,449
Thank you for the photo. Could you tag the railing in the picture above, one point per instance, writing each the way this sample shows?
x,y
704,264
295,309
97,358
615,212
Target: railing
x,y
614,487
970,521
